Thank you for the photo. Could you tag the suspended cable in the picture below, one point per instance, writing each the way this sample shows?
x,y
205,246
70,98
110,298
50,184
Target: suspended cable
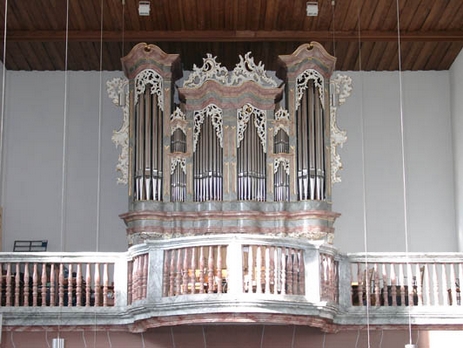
x,y
362,136
65,115
2,117
333,3
100,112
402,148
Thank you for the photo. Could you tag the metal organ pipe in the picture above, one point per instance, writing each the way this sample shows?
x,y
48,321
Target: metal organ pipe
x,y
208,163
148,147
310,145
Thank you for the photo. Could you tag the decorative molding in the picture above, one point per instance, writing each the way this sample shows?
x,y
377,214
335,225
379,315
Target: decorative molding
x,y
302,82
245,70
341,88
146,77
260,121
215,113
116,87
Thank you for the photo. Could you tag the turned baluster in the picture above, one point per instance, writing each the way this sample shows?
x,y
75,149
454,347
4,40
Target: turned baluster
x,y
302,275
419,284
393,286
210,271
435,285
8,284
444,286
219,269
88,286
272,270
282,262
44,285
453,292
60,285
289,272
178,273
145,275
193,268
105,284
166,274
250,279
202,267
259,270
130,282
172,272
402,284
267,270
427,285
17,285
79,286
34,285
70,284
184,285
26,284
411,289
96,283
53,287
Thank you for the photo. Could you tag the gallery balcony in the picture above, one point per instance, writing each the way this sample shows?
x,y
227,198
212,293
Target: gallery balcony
x,y
232,278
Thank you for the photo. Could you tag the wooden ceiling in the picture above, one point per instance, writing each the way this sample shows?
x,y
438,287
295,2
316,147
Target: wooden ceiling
x,y
362,34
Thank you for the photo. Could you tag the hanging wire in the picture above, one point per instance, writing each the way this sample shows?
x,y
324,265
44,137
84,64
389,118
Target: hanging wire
x,y
64,154
333,7
402,148
2,117
123,27
362,136
100,112
65,116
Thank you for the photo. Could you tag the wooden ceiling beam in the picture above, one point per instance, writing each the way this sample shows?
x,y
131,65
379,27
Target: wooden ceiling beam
x,y
232,36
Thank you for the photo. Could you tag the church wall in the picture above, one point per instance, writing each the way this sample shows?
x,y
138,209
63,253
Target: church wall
x,y
456,88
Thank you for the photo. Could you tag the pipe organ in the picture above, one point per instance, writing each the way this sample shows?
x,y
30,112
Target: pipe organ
x,y
225,143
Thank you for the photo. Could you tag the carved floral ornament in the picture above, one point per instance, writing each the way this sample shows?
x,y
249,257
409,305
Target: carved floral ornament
x,y
245,70
341,88
213,112
260,121
149,77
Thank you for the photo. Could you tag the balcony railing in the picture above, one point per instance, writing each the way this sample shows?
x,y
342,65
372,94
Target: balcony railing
x,y
229,278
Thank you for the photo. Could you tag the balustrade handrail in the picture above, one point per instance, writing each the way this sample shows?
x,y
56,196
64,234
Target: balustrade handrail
x,y
403,257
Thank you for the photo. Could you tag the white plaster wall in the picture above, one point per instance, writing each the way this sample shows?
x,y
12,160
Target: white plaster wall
x,y
33,163
456,102
371,117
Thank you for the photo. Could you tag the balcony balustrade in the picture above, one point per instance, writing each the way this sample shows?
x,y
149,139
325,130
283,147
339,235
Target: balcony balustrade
x,y
229,278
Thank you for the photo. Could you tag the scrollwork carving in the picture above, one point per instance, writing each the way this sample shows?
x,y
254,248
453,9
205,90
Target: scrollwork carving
x,y
215,113
120,137
151,77
302,84
177,161
245,70
341,87
281,161
281,121
178,121
260,121
211,70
